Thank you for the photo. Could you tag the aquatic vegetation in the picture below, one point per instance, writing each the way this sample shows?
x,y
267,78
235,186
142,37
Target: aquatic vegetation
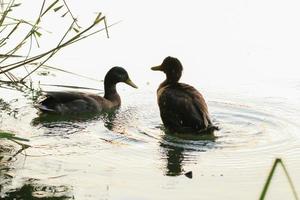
x,y
12,137
6,107
32,189
19,37
126,154
277,162
10,28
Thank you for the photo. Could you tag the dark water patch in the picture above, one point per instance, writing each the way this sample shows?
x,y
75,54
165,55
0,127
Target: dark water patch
x,y
27,188
178,151
191,143
62,129
32,190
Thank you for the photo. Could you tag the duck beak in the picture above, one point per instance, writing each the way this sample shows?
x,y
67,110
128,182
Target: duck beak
x,y
129,82
157,68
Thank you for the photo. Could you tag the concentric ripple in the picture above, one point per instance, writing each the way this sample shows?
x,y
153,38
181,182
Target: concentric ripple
x,y
247,129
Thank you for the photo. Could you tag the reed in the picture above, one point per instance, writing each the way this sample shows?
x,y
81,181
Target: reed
x,y
13,46
277,162
10,26
18,140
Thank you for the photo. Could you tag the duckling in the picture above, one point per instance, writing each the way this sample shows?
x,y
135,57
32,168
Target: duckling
x,y
182,107
67,102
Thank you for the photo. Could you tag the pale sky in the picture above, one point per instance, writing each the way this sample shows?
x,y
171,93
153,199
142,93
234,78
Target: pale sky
x,y
239,39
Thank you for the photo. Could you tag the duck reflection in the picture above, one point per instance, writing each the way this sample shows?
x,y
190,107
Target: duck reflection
x,y
117,120
174,158
69,124
110,120
61,125
178,150
45,118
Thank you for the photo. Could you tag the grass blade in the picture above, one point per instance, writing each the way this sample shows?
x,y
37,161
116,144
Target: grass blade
x,y
269,179
65,14
13,56
69,11
5,13
98,17
68,72
16,5
290,180
49,7
10,33
72,87
11,136
58,8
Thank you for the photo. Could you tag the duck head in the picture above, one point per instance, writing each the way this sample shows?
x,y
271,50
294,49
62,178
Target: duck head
x,y
116,75
171,67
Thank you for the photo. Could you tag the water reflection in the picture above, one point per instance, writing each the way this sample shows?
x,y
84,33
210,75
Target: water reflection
x,y
178,150
30,188
120,120
4,177
174,157
7,109
110,120
117,120
60,125
54,124
44,118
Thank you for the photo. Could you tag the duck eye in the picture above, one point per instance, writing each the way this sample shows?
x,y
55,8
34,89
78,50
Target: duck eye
x,y
121,76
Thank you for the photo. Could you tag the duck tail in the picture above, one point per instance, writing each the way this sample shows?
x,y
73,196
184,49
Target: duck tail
x,y
44,108
213,128
209,129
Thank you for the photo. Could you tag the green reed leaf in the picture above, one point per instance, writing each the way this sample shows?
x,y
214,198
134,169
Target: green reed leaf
x,y
51,6
58,8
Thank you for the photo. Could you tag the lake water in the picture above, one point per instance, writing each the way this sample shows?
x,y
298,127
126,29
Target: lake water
x,y
241,55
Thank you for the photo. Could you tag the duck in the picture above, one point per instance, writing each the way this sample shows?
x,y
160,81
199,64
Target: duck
x,y
74,103
182,108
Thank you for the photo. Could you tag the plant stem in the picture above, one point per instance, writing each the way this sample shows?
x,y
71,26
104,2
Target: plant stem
x,y
269,179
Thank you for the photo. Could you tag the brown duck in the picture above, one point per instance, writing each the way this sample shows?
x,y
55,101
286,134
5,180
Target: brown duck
x,y
182,107
66,102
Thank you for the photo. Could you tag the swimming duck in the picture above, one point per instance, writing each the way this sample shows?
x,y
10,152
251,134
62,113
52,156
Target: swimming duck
x,y
182,107
67,102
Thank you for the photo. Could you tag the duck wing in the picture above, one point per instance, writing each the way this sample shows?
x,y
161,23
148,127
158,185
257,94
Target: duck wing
x,y
198,102
70,102
183,108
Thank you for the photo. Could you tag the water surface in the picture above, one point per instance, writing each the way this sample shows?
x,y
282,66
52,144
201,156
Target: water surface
x,y
126,154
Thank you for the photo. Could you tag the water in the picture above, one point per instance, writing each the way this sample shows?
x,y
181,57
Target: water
x,y
126,154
